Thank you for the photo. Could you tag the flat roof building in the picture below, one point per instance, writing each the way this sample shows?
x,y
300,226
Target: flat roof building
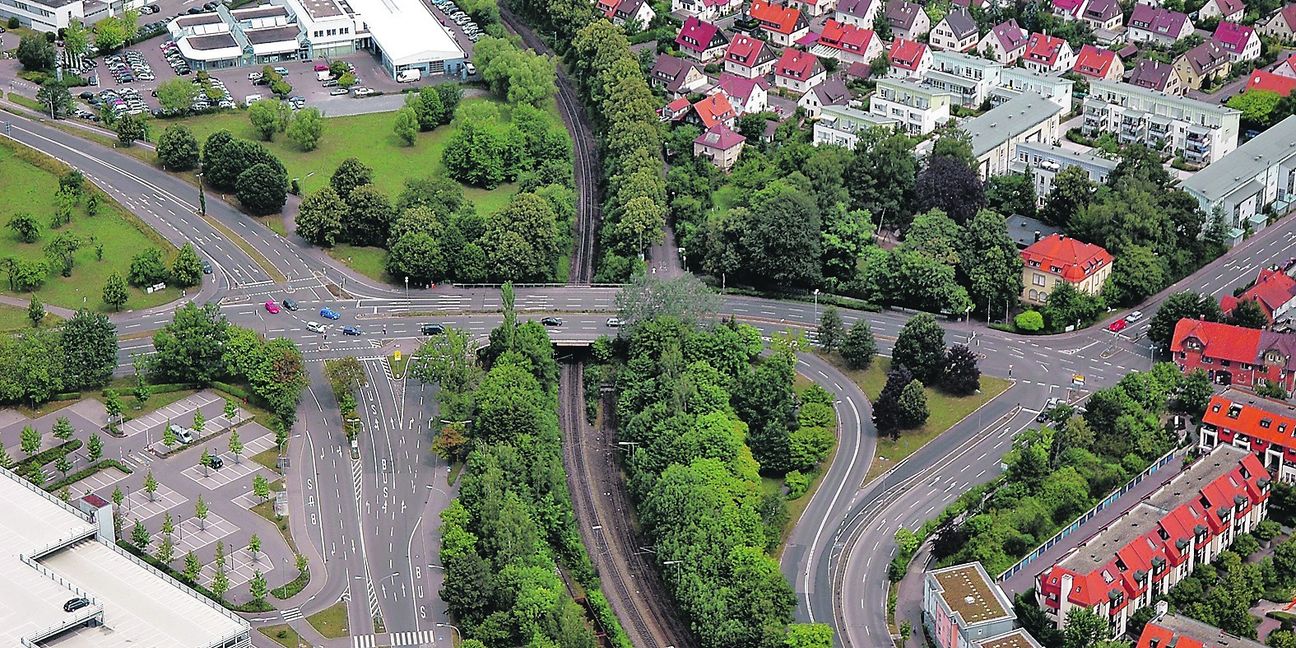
x,y
916,108
1200,132
1044,161
964,608
841,125
1250,183
996,134
51,552
1016,80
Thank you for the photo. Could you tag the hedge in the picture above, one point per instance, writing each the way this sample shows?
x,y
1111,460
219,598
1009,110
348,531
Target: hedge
x,y
66,396
233,390
87,471
293,587
607,618
46,456
166,388
251,606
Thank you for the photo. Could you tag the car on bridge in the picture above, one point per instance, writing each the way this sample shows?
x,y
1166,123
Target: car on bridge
x,y
272,307
289,303
351,330
329,313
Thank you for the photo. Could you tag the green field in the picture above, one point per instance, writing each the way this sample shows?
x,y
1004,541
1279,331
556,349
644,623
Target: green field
x,y
13,319
331,621
368,138
945,411
24,186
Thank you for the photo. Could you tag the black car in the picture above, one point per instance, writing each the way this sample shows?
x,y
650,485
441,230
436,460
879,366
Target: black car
x,y
290,304
552,321
215,462
207,267
351,330
432,329
76,604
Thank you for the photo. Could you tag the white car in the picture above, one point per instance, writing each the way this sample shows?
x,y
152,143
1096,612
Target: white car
x,y
254,76
314,327
1134,316
614,322
251,99
470,68
362,92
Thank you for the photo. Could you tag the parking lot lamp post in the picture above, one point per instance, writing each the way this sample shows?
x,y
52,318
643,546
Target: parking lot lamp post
x,y
454,632
816,304
406,286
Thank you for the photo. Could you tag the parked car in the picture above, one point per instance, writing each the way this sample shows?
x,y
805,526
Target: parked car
x,y
182,434
431,329
215,462
335,92
314,327
280,70
272,307
470,68
290,303
351,330
321,67
1118,325
329,313
552,321
362,92
76,604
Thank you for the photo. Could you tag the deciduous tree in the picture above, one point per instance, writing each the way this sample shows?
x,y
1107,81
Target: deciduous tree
x,y
920,347
186,269
961,375
1181,305
351,173
319,219
306,128
177,148
262,189
406,126
831,331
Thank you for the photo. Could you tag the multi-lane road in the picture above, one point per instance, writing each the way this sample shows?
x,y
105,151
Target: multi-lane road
x,y
370,521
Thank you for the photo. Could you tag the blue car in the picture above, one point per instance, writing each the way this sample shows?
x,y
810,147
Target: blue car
x,y
329,313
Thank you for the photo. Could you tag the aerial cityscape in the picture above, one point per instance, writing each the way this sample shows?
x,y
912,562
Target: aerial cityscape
x,y
648,323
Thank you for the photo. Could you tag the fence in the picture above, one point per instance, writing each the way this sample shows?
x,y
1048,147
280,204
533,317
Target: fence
x,y
89,612
1088,515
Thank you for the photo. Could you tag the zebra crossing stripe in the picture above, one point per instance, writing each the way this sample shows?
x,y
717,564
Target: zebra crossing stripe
x,y
291,614
416,638
363,641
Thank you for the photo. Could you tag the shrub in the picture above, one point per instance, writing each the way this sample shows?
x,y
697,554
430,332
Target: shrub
x,y
1030,321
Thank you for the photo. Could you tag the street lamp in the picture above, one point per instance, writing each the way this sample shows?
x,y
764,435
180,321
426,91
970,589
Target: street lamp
x,y
816,304
406,286
454,632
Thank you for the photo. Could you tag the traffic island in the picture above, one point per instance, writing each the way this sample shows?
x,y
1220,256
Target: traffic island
x,y
284,635
331,621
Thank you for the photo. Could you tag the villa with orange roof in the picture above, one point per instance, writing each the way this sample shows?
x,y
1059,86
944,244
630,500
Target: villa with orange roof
x,y
909,59
784,24
1235,355
847,43
712,110
1158,542
1270,82
1099,63
1057,259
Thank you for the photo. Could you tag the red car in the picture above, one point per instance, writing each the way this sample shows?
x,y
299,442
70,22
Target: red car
x,y
1118,325
320,67
272,307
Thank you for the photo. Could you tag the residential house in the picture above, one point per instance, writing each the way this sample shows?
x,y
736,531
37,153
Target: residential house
x,y
713,109
1225,10
1149,23
1286,68
1281,24
841,125
720,145
1015,81
1203,65
709,10
676,110
917,109
1048,54
847,43
677,76
798,71
957,32
996,134
909,59
1250,183
832,92
746,95
1158,76
1274,291
1005,42
908,20
1058,259
701,40
633,12
1199,131
1240,41
963,607
1172,630
1098,63
749,57
1102,15
1066,9
970,78
1158,542
1265,427
1235,355
858,13
1043,161
1270,82
815,7
784,24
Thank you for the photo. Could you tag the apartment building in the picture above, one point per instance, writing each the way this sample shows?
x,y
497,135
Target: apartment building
x,y
1157,543
964,608
996,134
1043,161
1250,183
1235,355
1201,132
841,125
969,78
1261,426
1015,81
917,108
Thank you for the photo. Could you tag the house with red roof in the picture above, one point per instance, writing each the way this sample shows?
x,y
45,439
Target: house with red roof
x,y
1067,9
909,59
676,110
1264,426
1005,42
749,57
956,32
1099,63
814,8
783,23
1174,631
744,94
720,145
1280,24
1240,41
1270,82
798,71
709,10
859,13
1286,68
1230,10
847,43
908,19
701,40
1149,23
1157,542
713,109
1048,54
1274,291
1203,65
1057,259
1235,355
1155,75
677,76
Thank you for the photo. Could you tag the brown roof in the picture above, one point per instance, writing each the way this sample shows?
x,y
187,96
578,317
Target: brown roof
x,y
272,35
212,42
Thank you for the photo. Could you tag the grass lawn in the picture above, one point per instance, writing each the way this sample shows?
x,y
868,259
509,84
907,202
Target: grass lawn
x,y
368,261
945,411
283,635
726,197
398,366
27,186
268,458
13,319
331,622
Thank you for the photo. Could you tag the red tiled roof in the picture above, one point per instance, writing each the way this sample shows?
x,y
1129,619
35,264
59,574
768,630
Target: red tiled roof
x,y
795,64
1272,288
906,54
1288,14
745,50
697,35
1069,7
1270,82
1222,341
775,17
1270,421
1232,36
714,109
1155,635
849,38
1066,256
1230,7
1042,48
1094,61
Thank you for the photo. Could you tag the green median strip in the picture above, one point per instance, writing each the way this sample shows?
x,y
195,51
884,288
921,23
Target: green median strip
x,y
260,259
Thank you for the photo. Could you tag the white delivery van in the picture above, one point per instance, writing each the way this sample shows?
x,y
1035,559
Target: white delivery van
x,y
409,76
323,75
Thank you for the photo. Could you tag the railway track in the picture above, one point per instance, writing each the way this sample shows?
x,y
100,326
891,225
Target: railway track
x,y
632,587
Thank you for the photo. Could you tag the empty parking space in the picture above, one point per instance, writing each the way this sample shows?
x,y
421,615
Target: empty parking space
x,y
193,535
214,478
138,505
239,568
98,481
179,412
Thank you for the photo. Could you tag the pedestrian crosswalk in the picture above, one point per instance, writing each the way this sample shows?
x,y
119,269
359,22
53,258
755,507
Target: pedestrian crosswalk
x,y
414,639
291,614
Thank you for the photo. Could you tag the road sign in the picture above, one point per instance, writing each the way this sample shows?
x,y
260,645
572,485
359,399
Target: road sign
x,y
397,355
